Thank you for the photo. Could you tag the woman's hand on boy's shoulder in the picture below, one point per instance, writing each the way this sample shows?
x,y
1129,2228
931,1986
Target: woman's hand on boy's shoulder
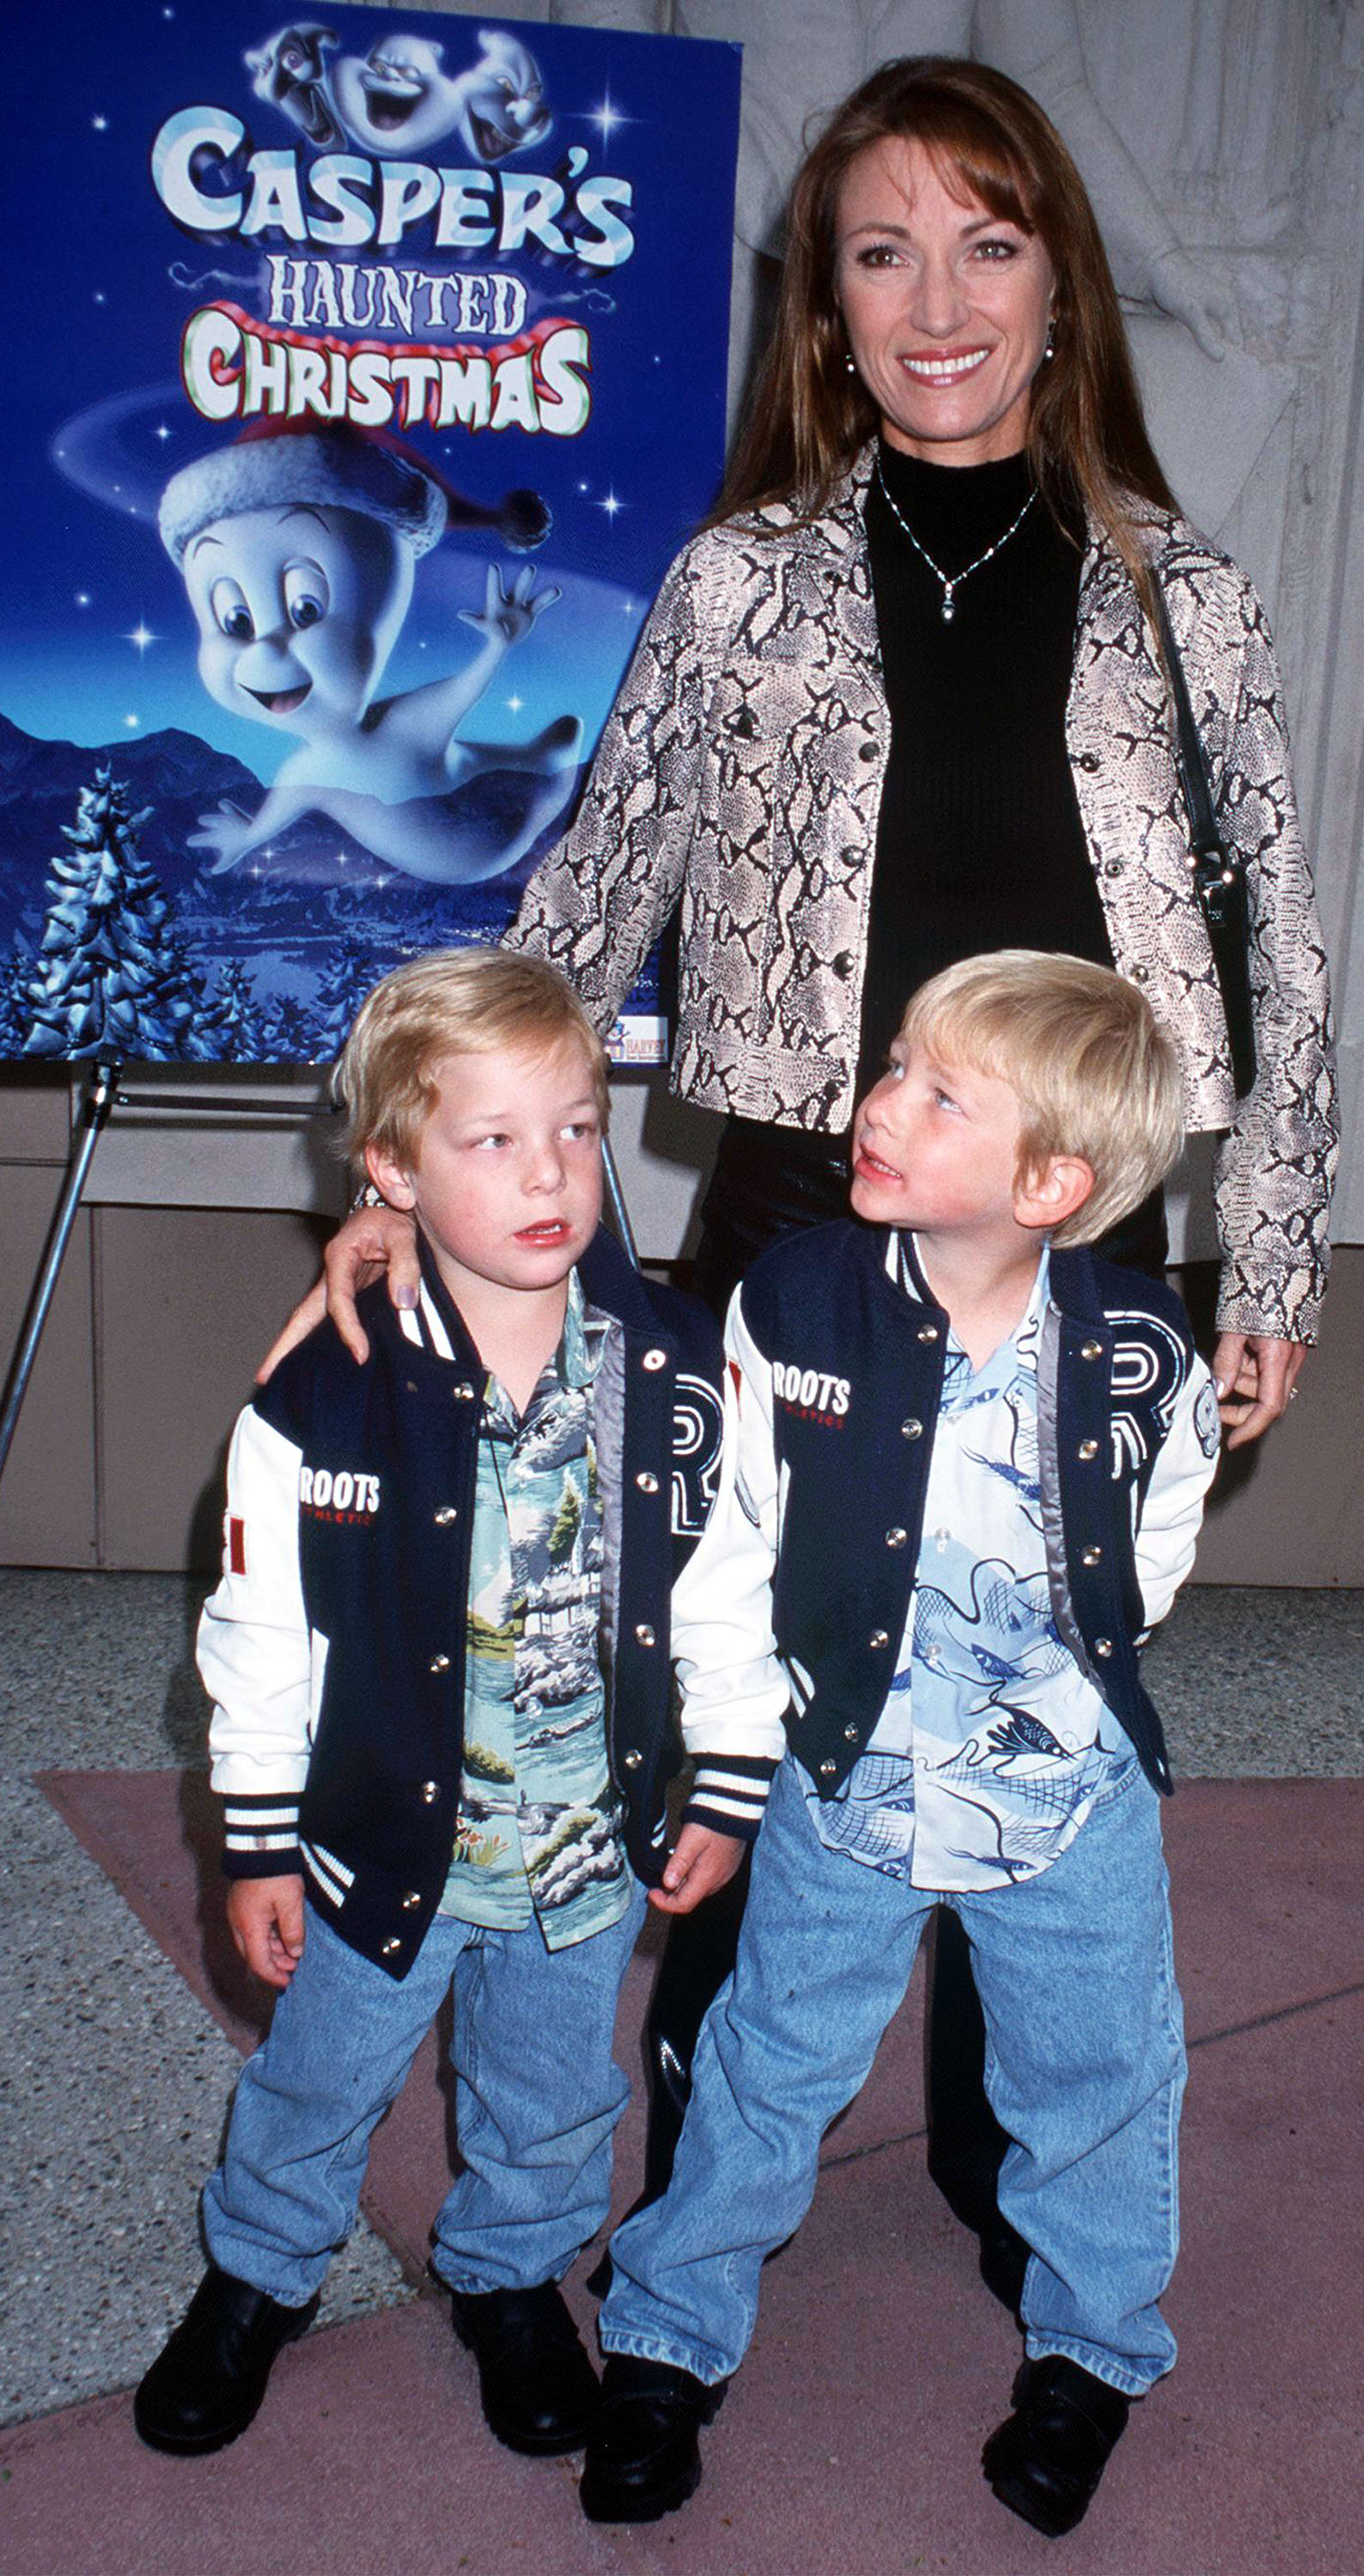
x,y
306,1315
702,1861
372,1241
265,1919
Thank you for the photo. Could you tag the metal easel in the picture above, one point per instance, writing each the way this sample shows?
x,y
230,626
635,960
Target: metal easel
x,y
102,1097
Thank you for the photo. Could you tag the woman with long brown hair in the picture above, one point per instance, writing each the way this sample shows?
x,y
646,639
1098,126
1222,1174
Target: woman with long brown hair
x,y
904,699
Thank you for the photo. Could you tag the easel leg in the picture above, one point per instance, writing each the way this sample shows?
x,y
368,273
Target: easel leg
x,y
99,1101
615,1196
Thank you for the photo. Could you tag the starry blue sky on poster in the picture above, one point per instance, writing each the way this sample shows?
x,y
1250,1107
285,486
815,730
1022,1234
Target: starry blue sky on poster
x,y
96,637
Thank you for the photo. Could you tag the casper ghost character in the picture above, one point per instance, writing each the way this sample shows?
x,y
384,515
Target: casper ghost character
x,y
298,552
398,100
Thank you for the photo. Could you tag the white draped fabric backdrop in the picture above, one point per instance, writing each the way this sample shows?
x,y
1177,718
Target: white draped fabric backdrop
x,y
1223,145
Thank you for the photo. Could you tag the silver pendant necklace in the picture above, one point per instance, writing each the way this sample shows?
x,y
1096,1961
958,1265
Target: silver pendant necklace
x,y
949,587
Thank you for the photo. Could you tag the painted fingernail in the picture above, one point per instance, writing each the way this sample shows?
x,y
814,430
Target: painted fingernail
x,y
405,1297
1219,1388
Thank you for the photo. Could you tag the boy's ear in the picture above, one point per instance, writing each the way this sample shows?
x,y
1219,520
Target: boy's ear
x,y
390,1178
1052,1191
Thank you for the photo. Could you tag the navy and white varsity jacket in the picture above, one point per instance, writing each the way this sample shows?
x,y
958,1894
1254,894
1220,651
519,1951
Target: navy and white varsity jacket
x,y
791,1613
334,1646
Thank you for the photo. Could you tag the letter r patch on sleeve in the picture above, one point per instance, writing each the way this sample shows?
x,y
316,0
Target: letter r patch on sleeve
x,y
236,1545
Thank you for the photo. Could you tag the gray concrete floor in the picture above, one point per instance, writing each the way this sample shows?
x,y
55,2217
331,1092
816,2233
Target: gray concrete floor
x,y
115,2082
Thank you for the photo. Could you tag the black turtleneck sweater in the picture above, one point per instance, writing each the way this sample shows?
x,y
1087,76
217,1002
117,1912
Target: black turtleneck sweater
x,y
980,843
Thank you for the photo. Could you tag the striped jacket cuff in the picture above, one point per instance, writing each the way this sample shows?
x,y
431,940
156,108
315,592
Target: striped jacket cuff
x,y
729,1793
260,1837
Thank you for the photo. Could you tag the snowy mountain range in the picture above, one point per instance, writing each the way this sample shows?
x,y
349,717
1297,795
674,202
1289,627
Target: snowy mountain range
x,y
316,883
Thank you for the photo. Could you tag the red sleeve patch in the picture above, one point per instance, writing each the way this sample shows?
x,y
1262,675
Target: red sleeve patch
x,y
236,1545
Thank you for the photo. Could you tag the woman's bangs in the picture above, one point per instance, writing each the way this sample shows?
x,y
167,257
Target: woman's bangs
x,y
976,165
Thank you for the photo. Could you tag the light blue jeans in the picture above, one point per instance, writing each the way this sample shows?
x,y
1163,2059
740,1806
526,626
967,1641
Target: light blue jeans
x,y
1084,2066
537,2098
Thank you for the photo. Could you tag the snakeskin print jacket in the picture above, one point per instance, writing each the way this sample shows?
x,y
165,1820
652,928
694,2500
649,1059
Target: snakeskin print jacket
x,y
740,774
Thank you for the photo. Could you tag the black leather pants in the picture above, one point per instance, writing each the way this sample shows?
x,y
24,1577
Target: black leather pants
x,y
770,1181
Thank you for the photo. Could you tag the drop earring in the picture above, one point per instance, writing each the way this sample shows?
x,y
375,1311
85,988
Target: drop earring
x,y
1050,349
850,363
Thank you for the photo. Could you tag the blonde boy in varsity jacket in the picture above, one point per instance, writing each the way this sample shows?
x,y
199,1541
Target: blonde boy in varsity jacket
x,y
964,1469
440,1660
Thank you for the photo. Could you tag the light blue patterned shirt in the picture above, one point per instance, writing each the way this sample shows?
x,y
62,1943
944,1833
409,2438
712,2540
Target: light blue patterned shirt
x,y
536,1837
992,1744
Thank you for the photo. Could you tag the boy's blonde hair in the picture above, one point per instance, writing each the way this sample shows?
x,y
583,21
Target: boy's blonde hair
x,y
453,1001
1094,1073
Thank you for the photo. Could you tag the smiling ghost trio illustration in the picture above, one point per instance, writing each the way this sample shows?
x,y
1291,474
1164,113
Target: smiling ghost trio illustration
x,y
397,98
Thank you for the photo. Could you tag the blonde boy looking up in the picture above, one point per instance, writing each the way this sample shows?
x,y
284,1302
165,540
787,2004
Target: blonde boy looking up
x,y
964,1468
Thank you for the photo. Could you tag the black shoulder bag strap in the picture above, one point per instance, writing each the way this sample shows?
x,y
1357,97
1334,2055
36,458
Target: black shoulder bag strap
x,y
1218,873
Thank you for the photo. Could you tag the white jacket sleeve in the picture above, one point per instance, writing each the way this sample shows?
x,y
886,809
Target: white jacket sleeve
x,y
734,1691
1167,1532
256,1656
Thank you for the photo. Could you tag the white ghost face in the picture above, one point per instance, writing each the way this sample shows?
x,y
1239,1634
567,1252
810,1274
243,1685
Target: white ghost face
x,y
298,607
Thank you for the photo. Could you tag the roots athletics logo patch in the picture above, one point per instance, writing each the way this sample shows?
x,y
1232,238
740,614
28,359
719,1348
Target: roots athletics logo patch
x,y
337,1495
816,1394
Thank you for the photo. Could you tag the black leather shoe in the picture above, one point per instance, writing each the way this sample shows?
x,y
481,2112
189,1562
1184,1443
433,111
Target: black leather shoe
x,y
205,2385
1046,2461
538,2387
643,2457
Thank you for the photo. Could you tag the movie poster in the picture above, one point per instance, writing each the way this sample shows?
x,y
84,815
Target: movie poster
x,y
363,378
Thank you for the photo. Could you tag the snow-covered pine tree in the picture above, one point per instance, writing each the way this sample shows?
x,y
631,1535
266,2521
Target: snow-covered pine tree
x,y
342,986
238,1023
111,978
16,1014
291,1034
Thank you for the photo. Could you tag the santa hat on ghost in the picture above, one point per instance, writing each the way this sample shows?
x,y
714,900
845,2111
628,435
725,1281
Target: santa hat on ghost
x,y
280,463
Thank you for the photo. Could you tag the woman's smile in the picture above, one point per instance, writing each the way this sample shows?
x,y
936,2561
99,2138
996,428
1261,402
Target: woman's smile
x,y
935,369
